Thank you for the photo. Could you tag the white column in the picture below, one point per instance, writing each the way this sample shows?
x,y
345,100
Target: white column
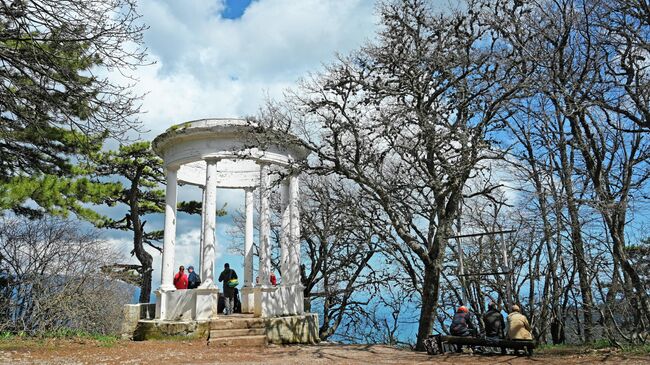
x,y
202,237
209,214
285,232
265,226
248,240
294,241
169,238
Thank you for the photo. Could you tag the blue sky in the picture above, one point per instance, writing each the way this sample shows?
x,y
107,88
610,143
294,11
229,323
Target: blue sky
x,y
234,9
223,59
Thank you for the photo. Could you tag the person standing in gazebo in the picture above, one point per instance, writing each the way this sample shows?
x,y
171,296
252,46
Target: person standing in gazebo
x,y
180,279
229,277
193,278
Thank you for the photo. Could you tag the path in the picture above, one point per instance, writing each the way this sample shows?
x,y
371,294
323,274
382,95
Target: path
x,y
196,352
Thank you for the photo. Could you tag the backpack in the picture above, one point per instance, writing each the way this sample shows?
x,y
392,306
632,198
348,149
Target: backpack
x,y
232,282
194,280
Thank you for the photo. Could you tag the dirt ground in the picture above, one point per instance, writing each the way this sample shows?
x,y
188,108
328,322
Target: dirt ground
x,y
197,352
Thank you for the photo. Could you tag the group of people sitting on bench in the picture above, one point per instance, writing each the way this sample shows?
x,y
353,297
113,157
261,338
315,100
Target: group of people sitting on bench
x,y
518,327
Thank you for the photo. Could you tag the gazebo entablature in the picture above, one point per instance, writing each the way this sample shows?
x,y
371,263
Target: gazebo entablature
x,y
234,154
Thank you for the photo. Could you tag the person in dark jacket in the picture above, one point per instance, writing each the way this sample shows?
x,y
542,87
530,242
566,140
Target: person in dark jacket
x,y
462,324
193,280
494,322
228,292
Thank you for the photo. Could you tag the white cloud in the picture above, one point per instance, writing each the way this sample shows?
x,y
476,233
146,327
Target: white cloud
x,y
124,247
187,248
207,66
213,67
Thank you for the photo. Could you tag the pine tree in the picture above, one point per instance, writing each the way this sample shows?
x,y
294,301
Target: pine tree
x,y
141,193
142,174
55,107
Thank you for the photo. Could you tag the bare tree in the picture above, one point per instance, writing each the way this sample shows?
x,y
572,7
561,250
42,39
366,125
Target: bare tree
x,y
624,36
545,151
338,249
533,165
407,119
413,118
580,90
51,278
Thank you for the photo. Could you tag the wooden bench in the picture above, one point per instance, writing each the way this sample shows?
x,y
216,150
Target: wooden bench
x,y
440,341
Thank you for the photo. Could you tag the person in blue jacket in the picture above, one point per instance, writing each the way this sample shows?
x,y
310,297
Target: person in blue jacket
x,y
193,279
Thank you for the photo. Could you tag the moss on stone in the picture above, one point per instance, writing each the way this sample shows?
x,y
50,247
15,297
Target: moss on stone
x,y
149,330
177,127
293,329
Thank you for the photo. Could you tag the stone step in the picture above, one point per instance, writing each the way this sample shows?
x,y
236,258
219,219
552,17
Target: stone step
x,y
237,323
238,332
241,341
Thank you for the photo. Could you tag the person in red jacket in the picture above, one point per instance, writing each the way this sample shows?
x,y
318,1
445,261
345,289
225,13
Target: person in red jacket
x,y
180,279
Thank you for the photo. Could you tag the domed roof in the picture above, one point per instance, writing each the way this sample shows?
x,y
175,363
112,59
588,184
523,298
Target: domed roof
x,y
238,143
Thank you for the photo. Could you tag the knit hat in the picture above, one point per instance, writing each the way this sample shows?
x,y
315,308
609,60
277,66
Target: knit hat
x,y
463,308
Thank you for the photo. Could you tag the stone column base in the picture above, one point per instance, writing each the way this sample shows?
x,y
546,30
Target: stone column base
x,y
293,299
283,300
247,299
293,329
132,314
207,303
189,304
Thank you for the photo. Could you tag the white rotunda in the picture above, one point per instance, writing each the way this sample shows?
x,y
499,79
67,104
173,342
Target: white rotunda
x,y
233,154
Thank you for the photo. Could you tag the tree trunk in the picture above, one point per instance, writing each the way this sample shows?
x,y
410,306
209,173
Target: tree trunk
x,y
433,266
557,322
557,331
583,274
615,211
576,237
430,288
145,284
146,261
616,232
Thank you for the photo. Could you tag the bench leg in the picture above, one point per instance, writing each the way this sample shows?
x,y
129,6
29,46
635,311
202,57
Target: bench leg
x,y
504,351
